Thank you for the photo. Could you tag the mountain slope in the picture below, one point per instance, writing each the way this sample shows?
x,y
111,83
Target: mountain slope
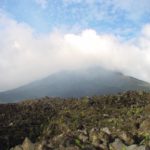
x,y
93,81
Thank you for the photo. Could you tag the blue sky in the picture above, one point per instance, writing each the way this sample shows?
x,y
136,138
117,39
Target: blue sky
x,y
42,37
122,17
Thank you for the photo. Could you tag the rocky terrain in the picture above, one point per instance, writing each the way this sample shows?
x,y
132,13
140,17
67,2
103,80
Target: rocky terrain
x,y
112,122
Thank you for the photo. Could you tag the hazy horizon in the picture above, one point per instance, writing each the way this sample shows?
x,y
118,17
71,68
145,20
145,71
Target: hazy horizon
x,y
41,37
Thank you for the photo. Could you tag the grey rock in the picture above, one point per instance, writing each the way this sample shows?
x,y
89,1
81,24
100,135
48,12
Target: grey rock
x,y
18,147
136,147
27,145
143,147
117,145
145,126
106,130
94,136
126,137
132,147
83,137
69,148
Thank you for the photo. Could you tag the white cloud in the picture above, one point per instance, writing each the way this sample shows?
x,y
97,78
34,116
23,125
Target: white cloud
x,y
26,56
42,3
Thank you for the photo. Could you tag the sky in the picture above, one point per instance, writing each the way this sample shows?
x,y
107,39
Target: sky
x,y
41,37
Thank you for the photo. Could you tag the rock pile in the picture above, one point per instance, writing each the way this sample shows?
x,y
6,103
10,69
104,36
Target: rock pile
x,y
113,122
95,139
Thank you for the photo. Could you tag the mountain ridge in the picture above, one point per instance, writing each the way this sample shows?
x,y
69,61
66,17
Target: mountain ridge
x,y
86,82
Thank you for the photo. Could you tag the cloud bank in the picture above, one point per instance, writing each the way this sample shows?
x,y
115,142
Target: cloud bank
x,y
26,56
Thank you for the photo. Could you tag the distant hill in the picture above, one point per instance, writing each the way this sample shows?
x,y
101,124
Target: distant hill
x,y
87,82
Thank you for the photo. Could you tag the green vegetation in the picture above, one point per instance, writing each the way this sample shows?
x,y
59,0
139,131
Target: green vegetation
x,y
52,117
